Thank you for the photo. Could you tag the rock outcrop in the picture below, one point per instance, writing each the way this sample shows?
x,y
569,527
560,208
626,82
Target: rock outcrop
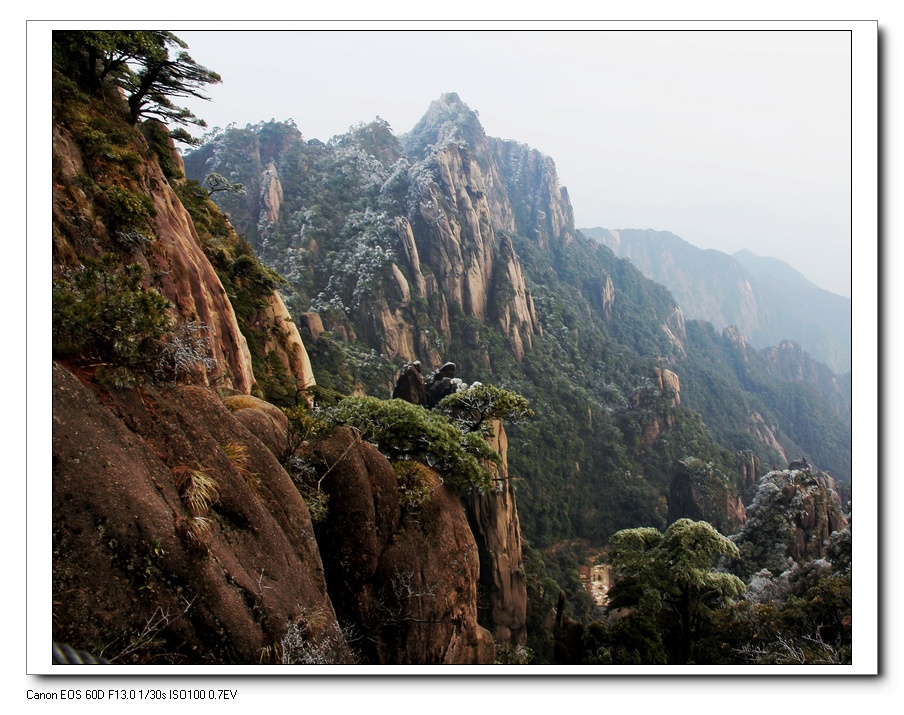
x,y
815,510
669,385
271,196
403,579
493,519
493,516
794,513
410,385
477,269
177,536
675,329
544,212
657,404
440,383
283,340
174,263
749,465
766,434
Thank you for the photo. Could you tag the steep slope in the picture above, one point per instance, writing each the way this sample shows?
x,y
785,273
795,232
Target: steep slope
x,y
141,574
182,530
764,298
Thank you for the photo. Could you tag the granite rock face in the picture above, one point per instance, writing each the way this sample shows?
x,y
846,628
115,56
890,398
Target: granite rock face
x,y
176,264
493,516
403,579
493,519
668,384
173,506
436,239
143,572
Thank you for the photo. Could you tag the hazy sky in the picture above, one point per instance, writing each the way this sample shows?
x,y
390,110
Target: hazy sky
x,y
728,139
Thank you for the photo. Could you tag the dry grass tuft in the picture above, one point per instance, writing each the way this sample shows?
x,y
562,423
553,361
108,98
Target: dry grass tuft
x,y
197,488
194,531
237,454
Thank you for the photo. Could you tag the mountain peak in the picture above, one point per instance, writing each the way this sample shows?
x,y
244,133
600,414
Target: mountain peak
x,y
447,120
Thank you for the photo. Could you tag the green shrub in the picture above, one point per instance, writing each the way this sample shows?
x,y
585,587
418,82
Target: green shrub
x,y
158,138
472,409
414,484
324,396
404,431
253,274
304,425
128,210
276,383
104,316
310,486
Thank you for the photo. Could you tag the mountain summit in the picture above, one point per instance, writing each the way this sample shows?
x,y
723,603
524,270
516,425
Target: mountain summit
x,y
447,120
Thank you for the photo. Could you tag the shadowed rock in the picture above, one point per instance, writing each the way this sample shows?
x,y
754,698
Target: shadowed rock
x,y
410,385
439,384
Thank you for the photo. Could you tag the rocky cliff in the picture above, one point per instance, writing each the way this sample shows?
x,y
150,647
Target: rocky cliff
x,y
791,519
403,578
169,249
179,536
493,515
435,240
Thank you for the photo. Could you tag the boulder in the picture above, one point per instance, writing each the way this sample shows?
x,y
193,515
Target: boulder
x,y
402,577
410,385
440,384
143,575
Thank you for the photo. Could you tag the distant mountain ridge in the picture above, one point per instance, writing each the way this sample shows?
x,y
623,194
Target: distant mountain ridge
x,y
765,298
